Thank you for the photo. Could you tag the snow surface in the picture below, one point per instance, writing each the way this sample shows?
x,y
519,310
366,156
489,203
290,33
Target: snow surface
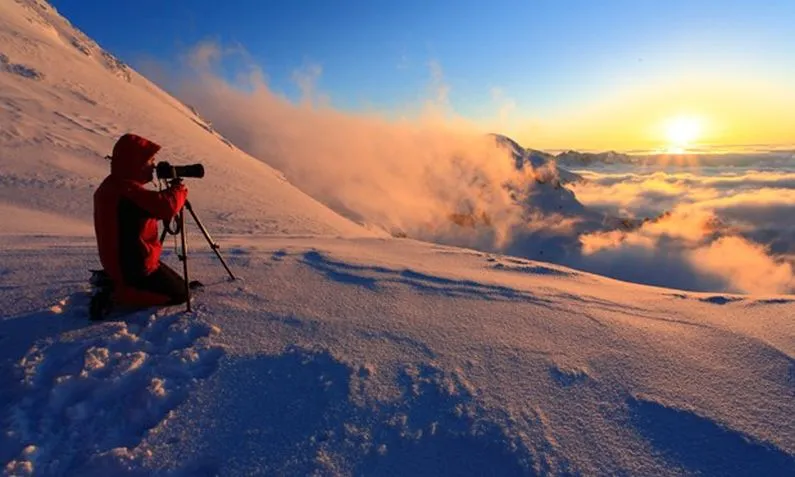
x,y
338,351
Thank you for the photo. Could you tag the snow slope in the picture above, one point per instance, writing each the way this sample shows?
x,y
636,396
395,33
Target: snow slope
x,y
338,352
65,102
376,357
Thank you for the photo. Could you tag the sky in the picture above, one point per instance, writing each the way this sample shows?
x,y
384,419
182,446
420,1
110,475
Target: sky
x,y
621,75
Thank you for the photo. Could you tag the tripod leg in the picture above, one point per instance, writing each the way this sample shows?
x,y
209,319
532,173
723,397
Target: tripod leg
x,y
214,246
184,256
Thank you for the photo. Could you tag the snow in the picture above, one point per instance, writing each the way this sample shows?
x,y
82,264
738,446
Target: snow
x,y
339,350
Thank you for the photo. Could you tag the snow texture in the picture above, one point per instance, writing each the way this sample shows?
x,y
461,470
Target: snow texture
x,y
338,350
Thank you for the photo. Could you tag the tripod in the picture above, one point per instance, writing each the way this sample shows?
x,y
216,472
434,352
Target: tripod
x,y
183,255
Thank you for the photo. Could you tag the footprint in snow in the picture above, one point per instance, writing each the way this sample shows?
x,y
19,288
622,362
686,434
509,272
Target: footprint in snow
x,y
105,390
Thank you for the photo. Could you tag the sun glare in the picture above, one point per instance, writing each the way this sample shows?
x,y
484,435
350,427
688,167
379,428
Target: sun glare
x,y
681,132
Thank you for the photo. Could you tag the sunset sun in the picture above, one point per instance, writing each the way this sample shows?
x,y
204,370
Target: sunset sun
x,y
682,132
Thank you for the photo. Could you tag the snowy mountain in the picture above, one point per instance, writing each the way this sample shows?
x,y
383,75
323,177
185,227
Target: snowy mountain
x,y
66,101
339,350
576,158
538,160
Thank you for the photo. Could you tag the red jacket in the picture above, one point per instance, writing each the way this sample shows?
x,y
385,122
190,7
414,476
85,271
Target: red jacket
x,y
126,213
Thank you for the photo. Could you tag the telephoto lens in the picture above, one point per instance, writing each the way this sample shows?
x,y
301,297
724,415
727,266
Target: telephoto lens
x,y
164,170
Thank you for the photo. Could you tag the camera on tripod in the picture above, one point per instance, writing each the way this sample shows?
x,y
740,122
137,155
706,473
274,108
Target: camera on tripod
x,y
165,171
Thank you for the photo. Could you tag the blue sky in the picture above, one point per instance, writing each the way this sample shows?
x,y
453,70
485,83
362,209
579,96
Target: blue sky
x,y
546,57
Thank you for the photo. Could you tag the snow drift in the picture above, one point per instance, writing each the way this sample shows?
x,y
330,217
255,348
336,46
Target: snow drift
x,y
339,351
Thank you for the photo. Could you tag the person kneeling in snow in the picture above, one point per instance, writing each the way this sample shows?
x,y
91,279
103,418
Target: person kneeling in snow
x,y
125,223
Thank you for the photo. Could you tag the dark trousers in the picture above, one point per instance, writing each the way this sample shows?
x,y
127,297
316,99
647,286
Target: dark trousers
x,y
164,281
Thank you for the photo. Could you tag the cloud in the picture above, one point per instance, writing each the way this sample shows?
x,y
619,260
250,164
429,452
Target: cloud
x,y
407,176
688,250
731,231
686,227
306,78
437,104
505,107
740,195
435,176
746,266
204,55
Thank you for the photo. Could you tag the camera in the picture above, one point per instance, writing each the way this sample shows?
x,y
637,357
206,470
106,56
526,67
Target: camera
x,y
164,170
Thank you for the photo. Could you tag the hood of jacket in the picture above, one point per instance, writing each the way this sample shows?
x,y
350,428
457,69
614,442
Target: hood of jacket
x,y
130,155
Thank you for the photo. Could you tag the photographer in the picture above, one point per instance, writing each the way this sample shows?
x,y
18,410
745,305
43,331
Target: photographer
x,y
126,218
